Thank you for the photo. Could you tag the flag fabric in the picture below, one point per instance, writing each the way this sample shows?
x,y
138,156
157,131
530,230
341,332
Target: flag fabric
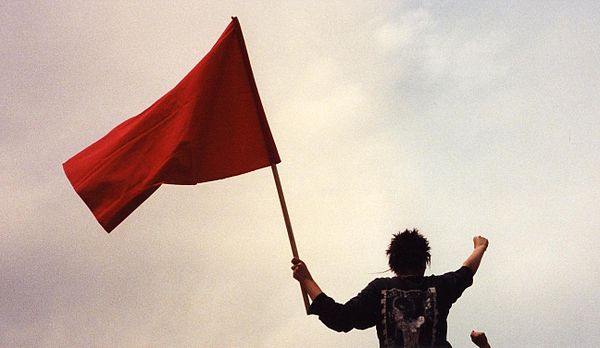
x,y
210,126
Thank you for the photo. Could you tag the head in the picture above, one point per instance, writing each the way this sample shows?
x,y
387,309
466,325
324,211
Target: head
x,y
408,253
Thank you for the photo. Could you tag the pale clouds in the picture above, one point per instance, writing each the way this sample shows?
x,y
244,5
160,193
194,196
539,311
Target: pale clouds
x,y
459,119
407,30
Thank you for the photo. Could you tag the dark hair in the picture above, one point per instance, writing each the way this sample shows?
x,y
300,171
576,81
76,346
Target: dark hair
x,y
408,252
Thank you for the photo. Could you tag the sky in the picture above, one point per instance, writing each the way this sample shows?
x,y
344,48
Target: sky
x,y
456,118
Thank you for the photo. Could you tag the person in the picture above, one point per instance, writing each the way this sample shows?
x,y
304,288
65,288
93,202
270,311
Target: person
x,y
408,310
479,338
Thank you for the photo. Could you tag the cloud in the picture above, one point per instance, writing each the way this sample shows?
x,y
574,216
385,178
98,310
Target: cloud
x,y
405,31
452,118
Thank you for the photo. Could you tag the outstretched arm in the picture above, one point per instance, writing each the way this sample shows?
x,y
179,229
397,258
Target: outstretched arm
x,y
302,275
480,245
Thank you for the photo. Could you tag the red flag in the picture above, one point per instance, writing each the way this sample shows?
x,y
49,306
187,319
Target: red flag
x,y
210,126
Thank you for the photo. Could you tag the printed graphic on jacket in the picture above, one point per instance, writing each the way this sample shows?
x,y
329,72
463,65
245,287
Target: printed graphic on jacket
x,y
409,317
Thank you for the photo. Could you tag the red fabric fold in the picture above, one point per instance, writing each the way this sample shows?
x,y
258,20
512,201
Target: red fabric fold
x,y
210,126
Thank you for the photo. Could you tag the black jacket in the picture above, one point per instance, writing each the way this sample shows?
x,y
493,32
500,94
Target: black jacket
x,y
408,311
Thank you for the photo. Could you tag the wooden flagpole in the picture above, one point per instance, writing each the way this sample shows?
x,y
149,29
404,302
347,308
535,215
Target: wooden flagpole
x,y
288,226
265,129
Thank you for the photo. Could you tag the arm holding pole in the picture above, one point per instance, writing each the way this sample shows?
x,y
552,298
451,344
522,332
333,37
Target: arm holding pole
x,y
302,275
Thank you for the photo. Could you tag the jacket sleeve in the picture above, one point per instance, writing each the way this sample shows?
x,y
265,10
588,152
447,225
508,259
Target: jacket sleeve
x,y
454,283
360,312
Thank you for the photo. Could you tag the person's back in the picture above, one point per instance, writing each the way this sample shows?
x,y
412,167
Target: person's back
x,y
414,309
409,310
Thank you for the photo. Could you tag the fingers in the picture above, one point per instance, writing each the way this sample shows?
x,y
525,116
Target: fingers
x,y
299,270
478,337
296,263
480,240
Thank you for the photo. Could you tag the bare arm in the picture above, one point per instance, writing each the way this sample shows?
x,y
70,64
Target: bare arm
x,y
302,275
480,245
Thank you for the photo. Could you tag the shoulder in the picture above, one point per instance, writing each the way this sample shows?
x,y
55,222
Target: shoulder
x,y
463,272
454,282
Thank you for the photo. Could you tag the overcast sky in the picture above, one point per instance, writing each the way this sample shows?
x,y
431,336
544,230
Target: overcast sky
x,y
457,118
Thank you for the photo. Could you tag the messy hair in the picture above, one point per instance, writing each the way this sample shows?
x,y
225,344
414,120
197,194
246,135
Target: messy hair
x,y
408,252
